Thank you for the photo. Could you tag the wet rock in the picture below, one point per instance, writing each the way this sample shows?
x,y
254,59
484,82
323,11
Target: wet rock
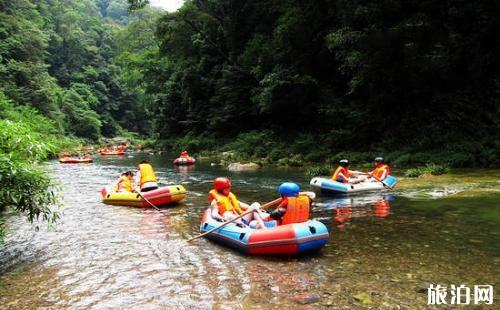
x,y
421,290
363,298
305,299
239,166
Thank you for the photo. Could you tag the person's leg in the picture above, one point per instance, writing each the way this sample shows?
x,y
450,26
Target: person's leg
x,y
256,215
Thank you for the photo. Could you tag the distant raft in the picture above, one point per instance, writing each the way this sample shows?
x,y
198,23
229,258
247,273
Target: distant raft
x,y
73,160
112,153
159,197
334,187
290,239
184,161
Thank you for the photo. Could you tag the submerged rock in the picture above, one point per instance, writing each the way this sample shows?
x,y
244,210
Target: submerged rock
x,y
305,299
239,166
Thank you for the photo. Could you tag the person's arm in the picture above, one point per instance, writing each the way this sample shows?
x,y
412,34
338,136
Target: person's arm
x,y
137,181
280,210
355,172
214,211
384,175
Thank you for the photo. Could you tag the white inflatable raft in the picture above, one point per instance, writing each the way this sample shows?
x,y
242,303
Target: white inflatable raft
x,y
331,186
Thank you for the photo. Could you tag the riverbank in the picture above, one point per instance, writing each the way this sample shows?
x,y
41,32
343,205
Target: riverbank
x,y
264,148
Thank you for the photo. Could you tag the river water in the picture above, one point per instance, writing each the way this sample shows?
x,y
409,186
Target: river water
x,y
384,250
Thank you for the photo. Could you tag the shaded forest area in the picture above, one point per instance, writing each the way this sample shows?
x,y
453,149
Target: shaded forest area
x,y
416,81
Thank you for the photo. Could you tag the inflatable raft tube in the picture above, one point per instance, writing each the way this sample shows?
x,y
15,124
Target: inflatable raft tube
x,y
159,197
334,187
291,239
184,161
112,153
75,160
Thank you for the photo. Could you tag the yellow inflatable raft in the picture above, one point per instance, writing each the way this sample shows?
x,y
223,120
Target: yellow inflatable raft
x,y
159,197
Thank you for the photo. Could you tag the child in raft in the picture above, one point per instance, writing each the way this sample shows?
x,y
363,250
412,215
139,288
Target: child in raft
x,y
225,206
124,183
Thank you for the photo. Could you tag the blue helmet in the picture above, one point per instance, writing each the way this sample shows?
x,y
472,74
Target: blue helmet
x,y
289,189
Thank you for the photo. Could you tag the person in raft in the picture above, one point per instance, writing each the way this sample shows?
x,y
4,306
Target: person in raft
x,y
381,170
294,207
146,178
184,154
225,206
124,183
344,175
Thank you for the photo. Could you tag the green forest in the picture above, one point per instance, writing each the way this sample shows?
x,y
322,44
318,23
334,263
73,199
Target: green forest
x,y
290,81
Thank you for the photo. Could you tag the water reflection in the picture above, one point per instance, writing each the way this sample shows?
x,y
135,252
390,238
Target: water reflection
x,y
342,209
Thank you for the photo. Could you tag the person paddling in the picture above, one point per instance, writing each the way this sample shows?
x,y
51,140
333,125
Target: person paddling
x,y
294,207
381,170
146,178
184,154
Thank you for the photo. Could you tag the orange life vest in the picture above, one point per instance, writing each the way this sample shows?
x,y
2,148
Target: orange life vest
x,y
147,173
342,170
227,203
379,171
297,210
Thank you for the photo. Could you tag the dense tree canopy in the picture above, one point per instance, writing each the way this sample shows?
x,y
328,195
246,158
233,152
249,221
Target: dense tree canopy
x,y
356,75
59,57
326,75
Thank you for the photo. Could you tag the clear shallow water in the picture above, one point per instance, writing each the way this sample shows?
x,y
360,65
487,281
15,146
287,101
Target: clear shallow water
x,y
389,246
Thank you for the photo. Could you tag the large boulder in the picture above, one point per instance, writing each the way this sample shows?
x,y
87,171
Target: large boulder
x,y
240,167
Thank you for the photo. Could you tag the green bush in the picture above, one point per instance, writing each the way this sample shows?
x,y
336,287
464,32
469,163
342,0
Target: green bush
x,y
319,170
26,138
431,168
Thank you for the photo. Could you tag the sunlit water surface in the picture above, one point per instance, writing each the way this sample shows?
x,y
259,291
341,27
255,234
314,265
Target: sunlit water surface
x,y
389,247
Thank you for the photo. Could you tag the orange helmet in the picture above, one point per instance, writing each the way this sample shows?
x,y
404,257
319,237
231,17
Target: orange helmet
x,y
221,183
184,152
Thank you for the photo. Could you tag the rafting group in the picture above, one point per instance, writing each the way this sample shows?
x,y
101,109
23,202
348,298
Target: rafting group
x,y
250,228
346,181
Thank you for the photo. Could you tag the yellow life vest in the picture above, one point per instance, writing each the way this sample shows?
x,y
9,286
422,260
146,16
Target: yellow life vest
x,y
147,174
123,183
227,203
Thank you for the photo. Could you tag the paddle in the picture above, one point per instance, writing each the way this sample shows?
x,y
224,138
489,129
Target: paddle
x,y
383,183
150,203
271,203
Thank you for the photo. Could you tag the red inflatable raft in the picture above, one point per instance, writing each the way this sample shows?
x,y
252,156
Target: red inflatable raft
x,y
291,239
184,161
71,160
112,152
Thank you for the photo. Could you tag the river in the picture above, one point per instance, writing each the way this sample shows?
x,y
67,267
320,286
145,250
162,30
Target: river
x,y
384,250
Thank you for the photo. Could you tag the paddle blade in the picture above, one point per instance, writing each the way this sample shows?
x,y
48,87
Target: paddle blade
x,y
390,181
